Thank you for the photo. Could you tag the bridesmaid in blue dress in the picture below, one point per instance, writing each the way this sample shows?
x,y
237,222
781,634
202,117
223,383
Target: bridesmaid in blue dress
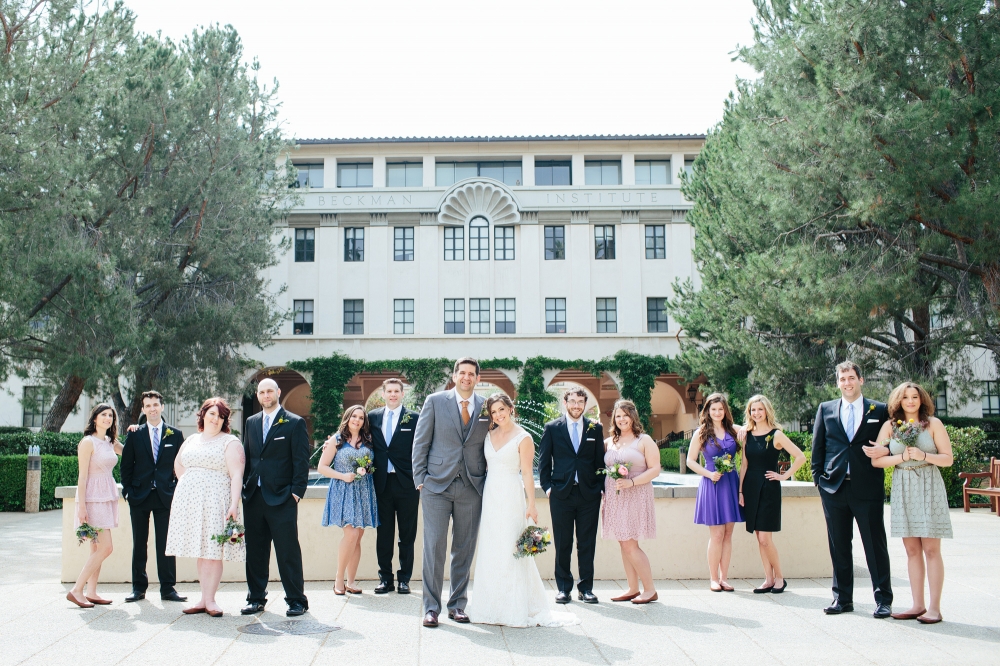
x,y
350,501
718,502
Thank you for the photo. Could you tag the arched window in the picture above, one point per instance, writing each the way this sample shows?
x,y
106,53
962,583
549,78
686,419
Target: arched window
x,y
479,239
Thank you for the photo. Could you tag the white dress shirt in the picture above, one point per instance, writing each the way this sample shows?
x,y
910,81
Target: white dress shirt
x,y
472,403
390,418
859,415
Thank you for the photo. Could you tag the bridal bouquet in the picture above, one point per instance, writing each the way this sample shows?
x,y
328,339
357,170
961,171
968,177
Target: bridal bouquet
x,y
87,532
617,470
724,464
365,466
533,540
233,533
907,433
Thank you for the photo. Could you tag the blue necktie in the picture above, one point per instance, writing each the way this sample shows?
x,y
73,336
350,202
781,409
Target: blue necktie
x,y
156,444
388,438
267,425
850,421
576,437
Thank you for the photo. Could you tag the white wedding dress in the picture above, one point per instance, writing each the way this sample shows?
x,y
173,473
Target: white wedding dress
x,y
507,590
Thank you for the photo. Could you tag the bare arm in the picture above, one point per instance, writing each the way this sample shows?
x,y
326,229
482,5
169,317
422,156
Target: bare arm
x,y
692,459
944,457
743,469
526,451
325,464
886,461
234,465
84,450
781,441
178,467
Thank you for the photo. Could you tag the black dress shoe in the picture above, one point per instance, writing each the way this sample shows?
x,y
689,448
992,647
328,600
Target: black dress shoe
x,y
883,611
458,615
836,608
587,597
563,598
430,619
296,608
384,587
252,608
403,588
136,595
172,596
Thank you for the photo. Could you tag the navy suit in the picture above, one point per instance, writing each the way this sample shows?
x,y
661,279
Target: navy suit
x,y
849,497
398,499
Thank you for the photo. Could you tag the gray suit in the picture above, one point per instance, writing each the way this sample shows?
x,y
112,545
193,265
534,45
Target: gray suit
x,y
448,460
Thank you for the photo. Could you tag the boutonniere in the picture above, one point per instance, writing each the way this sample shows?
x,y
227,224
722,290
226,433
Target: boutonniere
x,y
168,432
767,441
281,419
592,425
871,408
406,418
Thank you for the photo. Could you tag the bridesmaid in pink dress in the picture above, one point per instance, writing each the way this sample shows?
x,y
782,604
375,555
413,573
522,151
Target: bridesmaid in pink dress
x,y
628,513
96,498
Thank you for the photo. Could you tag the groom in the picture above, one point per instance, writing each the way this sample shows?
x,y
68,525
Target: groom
x,y
449,470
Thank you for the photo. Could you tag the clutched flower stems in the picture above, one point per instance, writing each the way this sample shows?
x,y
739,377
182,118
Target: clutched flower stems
x,y
364,465
619,470
87,532
233,533
533,540
724,464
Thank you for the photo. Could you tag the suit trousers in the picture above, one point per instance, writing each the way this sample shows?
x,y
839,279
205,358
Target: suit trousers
x,y
398,501
582,512
166,565
264,524
842,510
462,505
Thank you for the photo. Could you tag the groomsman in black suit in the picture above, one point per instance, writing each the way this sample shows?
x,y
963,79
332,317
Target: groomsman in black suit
x,y
570,453
851,489
276,444
148,484
398,499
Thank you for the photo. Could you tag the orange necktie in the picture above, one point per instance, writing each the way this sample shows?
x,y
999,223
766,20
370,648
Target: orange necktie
x,y
465,413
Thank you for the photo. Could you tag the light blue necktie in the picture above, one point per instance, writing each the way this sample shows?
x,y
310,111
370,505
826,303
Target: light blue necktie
x,y
576,437
850,421
156,444
267,425
388,438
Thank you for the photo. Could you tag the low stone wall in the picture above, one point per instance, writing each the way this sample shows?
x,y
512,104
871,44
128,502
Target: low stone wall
x,y
678,552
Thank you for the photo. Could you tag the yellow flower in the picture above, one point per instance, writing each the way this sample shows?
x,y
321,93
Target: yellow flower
x,y
911,420
899,422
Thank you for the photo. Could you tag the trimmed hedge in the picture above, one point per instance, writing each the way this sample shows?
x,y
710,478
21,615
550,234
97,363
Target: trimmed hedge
x,y
670,459
13,443
56,471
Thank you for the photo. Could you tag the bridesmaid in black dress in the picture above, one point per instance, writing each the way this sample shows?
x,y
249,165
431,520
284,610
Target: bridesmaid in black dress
x,y
760,485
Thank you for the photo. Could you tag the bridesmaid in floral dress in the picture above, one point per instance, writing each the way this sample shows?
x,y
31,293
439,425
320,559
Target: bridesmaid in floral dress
x,y
717,504
628,512
96,498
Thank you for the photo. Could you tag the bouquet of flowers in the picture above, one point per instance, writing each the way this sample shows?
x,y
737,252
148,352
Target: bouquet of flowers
x,y
533,540
617,470
907,433
233,533
365,466
87,532
724,464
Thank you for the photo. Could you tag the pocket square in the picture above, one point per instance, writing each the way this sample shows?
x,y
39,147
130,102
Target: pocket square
x,y
406,430
277,438
484,419
872,421
167,446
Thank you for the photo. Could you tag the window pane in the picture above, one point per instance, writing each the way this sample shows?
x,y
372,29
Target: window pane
x,y
454,315
444,174
303,322
354,244
403,244
604,242
555,243
610,173
354,317
465,170
454,243
659,173
512,173
305,245
402,316
479,239
607,315
504,241
347,175
592,173
505,315
991,398
543,175
365,175
642,173
656,315
395,175
34,406
414,174
479,315
561,173
491,170
555,315
656,242
689,165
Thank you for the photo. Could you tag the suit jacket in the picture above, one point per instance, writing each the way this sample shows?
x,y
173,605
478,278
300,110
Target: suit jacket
x,y
140,475
399,450
832,452
281,462
440,450
559,465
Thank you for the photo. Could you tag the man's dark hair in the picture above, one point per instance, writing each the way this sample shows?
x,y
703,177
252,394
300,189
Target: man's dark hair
x,y
576,390
466,360
849,365
153,394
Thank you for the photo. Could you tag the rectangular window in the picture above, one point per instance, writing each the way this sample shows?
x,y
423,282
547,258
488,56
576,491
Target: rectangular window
x,y
656,241
555,315
505,315
937,316
688,165
449,173
454,243
555,242
941,402
309,175
454,315
552,173
402,243
604,241
479,315
656,315
607,315
354,316
602,172
479,239
503,241
402,316
303,322
35,406
305,245
404,174
354,243
354,175
991,398
653,172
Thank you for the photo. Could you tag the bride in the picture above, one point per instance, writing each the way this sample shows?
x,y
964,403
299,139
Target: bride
x,y
508,590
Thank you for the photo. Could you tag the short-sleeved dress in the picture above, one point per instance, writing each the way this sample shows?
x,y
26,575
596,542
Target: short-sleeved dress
x,y
718,503
919,501
351,503
761,497
102,489
201,501
629,513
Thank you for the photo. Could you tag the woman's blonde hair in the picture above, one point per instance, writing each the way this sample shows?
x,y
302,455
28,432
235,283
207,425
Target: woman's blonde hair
x,y
769,416
896,401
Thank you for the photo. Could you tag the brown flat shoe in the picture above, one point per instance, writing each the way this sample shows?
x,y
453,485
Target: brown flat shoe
x,y
81,604
214,613
353,590
195,610
926,620
907,616
626,597
431,619
646,601
713,588
99,602
726,588
339,593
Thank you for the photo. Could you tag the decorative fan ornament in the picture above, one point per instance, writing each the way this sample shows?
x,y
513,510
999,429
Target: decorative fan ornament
x,y
479,198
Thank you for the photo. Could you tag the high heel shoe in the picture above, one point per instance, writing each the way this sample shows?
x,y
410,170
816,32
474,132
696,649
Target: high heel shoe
x,y
625,597
84,604
647,600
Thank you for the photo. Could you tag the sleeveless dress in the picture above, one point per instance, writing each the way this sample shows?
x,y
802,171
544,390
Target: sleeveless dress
x,y
919,501
630,513
761,498
508,590
102,489
201,501
718,503
351,503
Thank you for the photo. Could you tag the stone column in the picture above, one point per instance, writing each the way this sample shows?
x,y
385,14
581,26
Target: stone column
x,y
429,171
33,486
378,171
528,170
628,169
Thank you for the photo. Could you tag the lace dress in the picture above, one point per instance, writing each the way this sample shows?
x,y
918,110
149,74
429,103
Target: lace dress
x,y
919,501
508,591
102,489
351,503
629,513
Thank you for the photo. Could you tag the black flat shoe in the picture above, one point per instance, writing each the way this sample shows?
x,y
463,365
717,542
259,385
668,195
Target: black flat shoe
x,y
836,608
384,588
883,611
779,590
252,608
295,609
402,588
172,596
135,596
587,597
764,590
563,598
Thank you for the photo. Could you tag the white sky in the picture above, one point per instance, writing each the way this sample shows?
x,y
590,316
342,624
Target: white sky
x,y
408,68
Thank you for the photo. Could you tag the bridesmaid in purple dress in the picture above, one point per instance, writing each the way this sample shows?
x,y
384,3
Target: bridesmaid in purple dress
x,y
718,503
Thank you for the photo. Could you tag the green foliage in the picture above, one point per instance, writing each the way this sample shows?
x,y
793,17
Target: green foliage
x,y
804,473
968,447
49,443
6,430
56,471
803,440
670,459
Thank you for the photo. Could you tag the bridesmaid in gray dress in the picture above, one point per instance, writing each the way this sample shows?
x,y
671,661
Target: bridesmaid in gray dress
x,y
919,501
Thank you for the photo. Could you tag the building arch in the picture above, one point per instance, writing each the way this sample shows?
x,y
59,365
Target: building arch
x,y
295,397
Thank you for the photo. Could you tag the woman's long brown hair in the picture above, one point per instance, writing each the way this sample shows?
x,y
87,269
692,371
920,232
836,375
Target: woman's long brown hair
x,y
707,426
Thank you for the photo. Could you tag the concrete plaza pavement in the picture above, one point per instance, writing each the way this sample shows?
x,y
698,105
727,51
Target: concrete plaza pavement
x,y
689,625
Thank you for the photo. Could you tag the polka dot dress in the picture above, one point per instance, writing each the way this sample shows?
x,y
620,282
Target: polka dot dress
x,y
201,500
